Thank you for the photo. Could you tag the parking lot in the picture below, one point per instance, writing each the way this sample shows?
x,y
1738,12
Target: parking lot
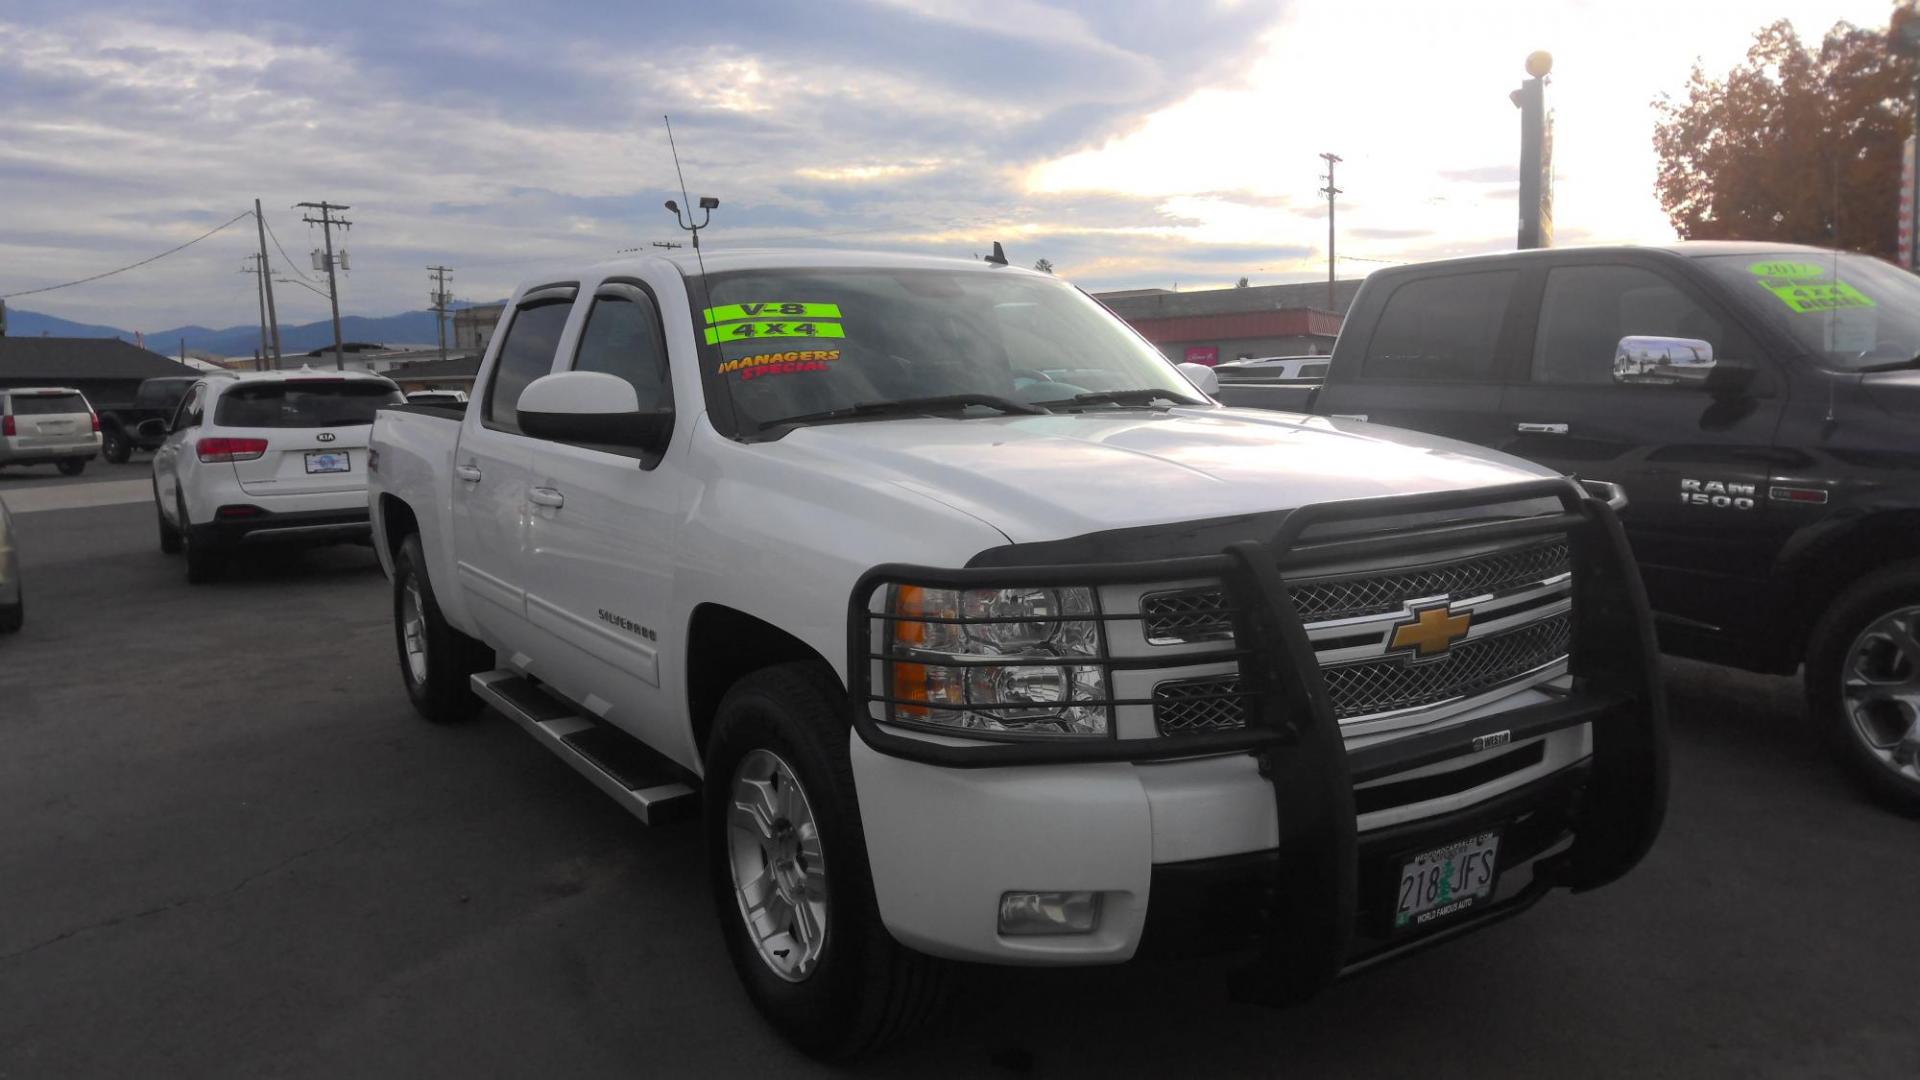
x,y
229,848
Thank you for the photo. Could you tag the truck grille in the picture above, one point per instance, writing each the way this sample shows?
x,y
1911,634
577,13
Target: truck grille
x,y
1526,591
1391,685
1186,706
1191,615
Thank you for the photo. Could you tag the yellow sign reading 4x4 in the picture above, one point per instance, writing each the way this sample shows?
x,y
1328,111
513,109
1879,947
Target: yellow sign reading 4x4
x,y
753,331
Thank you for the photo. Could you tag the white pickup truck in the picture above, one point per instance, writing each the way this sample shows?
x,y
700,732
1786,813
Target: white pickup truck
x,y
972,628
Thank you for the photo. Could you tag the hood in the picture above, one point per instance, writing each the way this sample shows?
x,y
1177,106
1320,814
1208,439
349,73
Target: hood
x,y
1894,391
1051,477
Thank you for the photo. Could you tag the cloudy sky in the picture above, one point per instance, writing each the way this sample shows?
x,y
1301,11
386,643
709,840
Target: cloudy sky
x,y
1131,142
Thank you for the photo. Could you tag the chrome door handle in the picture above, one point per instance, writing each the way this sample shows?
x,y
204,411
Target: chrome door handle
x,y
469,473
546,496
1540,429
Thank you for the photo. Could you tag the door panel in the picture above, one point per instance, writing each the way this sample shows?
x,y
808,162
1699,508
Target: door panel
x,y
601,532
1694,465
1435,360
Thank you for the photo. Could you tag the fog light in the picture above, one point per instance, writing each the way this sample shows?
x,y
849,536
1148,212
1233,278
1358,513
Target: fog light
x,y
1028,913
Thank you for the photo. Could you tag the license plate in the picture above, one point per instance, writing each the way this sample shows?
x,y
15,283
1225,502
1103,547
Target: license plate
x,y
321,461
1446,881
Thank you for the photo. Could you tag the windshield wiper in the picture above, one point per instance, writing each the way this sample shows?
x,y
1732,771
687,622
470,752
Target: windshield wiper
x,y
910,407
1146,395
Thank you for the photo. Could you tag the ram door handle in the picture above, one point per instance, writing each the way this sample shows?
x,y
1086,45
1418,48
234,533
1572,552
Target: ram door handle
x,y
469,473
1540,429
546,496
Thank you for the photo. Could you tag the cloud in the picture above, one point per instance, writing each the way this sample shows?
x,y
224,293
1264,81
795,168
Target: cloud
x,y
489,136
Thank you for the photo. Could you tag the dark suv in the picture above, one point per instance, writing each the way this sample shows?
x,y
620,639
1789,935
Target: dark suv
x,y
1759,404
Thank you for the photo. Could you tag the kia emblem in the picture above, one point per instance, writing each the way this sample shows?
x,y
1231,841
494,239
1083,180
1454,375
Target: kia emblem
x,y
325,436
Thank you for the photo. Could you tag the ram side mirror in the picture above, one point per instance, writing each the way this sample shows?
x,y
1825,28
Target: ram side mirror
x,y
152,428
595,408
1202,376
1662,361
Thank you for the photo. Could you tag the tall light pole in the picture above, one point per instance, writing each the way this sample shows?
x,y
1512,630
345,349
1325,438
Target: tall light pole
x,y
1536,154
327,221
1330,191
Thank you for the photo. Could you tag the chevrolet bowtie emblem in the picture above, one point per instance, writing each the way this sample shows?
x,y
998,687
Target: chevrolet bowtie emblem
x,y
1429,632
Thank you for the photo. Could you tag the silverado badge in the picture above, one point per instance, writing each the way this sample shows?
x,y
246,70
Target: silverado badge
x,y
1428,632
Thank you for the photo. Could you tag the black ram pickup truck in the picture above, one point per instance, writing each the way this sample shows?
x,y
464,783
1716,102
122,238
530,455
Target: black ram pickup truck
x,y
153,399
1760,405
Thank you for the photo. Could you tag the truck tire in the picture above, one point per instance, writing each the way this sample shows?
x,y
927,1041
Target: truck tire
x,y
72,466
205,560
435,659
114,445
169,536
1863,683
832,980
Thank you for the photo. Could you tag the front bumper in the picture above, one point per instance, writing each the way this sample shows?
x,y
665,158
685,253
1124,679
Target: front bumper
x,y
951,823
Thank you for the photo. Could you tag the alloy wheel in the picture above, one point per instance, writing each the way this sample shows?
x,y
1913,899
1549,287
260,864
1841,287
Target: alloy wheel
x,y
779,870
1880,691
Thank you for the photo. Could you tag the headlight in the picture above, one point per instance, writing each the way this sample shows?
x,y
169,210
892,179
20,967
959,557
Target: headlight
x,y
1020,661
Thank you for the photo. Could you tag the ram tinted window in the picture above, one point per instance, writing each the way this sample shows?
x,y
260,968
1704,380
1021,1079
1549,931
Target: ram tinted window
x,y
1441,328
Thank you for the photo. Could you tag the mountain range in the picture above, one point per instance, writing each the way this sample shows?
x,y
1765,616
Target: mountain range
x,y
406,328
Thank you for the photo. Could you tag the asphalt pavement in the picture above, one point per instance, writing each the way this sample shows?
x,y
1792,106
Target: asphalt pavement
x,y
229,848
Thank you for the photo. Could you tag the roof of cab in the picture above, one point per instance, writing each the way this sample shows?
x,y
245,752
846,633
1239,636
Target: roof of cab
x,y
723,260
1687,249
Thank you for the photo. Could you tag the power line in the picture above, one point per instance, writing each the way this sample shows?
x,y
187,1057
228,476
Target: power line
x,y
1330,191
283,251
130,266
327,221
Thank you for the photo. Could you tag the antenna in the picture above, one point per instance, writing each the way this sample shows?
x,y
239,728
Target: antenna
x,y
999,256
708,203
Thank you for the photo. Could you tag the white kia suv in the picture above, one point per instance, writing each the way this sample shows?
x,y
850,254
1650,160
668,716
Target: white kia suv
x,y
42,425
270,457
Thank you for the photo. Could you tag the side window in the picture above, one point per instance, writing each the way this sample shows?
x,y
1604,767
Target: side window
x,y
622,337
1441,328
526,354
1587,310
190,409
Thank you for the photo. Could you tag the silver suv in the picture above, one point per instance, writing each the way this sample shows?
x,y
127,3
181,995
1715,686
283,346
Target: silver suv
x,y
42,425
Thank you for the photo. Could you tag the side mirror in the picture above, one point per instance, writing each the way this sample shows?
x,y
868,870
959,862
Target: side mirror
x,y
1662,361
152,428
1203,377
592,407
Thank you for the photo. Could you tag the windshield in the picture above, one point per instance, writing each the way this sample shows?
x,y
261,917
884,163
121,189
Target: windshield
x,y
305,403
1850,312
791,343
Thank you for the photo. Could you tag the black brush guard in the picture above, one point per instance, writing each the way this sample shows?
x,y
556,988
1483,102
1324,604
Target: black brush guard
x,y
1291,726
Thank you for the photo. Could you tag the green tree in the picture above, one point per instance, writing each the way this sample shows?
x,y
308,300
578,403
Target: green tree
x,y
1045,266
1795,145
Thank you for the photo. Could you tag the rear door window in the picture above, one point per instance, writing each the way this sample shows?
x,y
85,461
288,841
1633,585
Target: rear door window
x,y
304,404
1441,328
48,404
533,339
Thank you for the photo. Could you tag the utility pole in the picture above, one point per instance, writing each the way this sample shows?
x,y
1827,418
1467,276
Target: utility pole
x,y
441,297
1330,191
258,266
266,280
327,221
